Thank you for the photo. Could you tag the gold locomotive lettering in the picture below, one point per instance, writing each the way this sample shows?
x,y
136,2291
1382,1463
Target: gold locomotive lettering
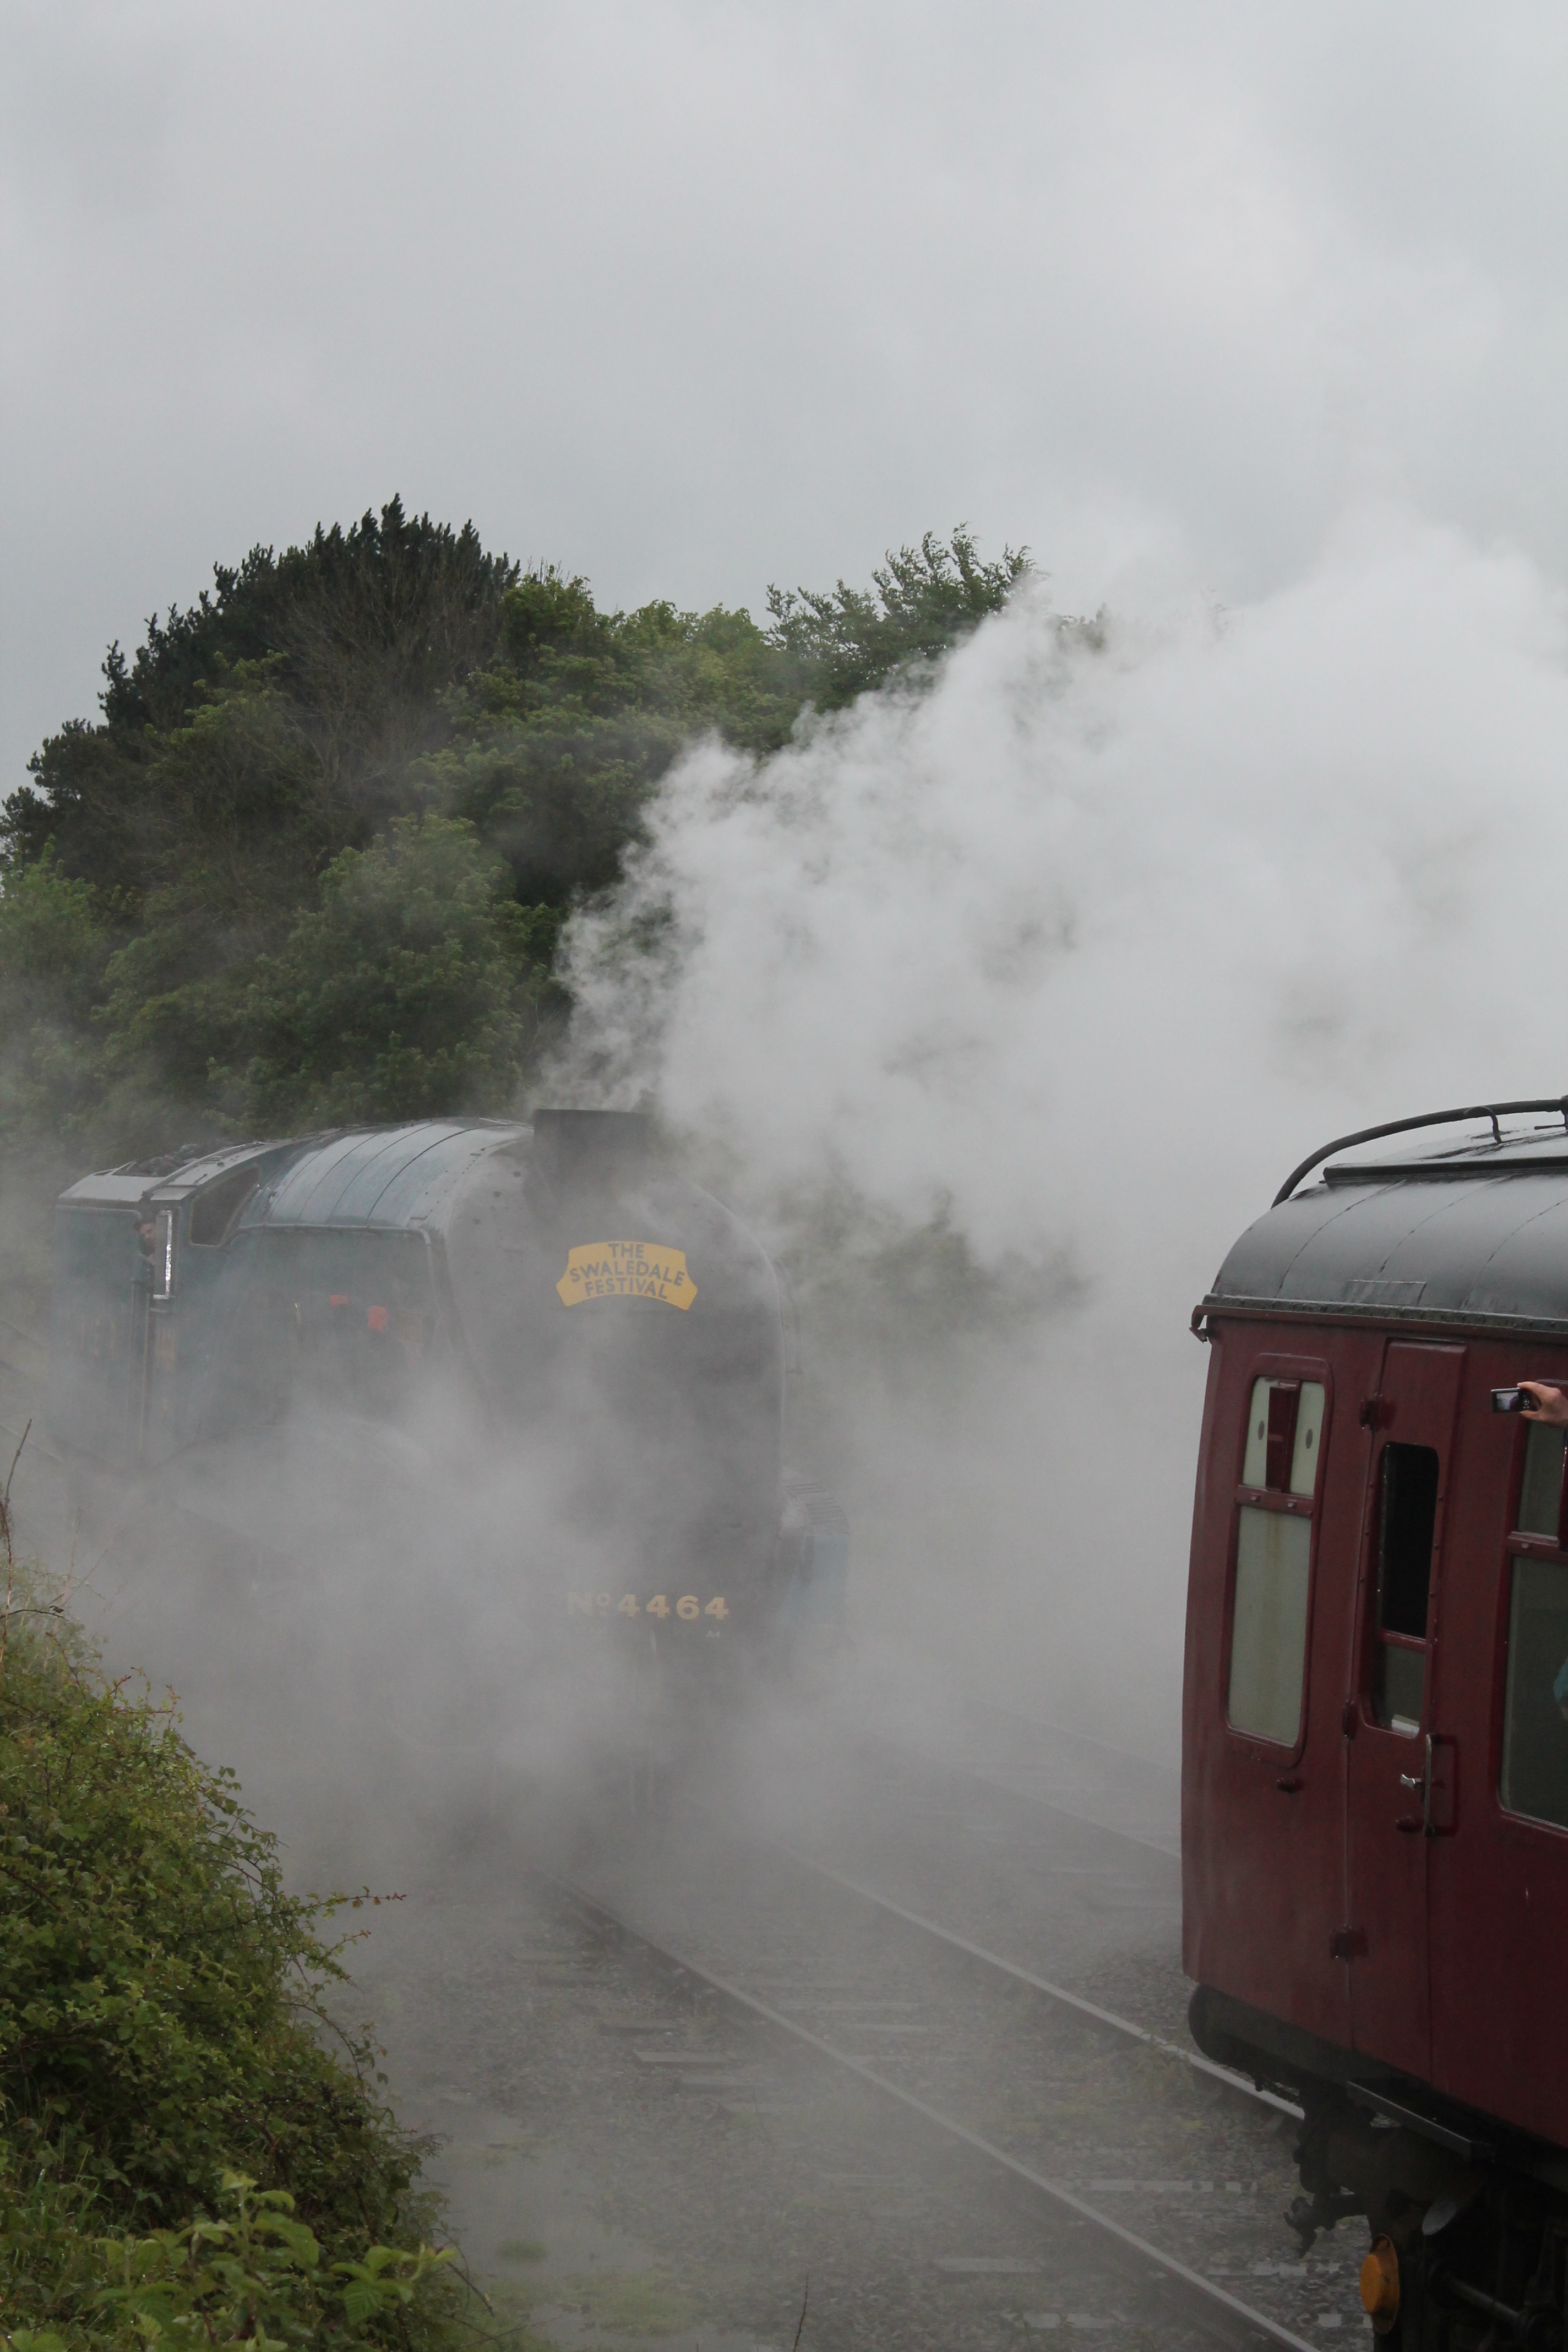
x,y
602,1604
625,1270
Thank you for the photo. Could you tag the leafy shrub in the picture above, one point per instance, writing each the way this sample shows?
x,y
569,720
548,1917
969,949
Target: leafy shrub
x,y
179,2142
257,2276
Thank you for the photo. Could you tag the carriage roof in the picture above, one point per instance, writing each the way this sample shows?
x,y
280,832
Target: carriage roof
x,y
1469,1232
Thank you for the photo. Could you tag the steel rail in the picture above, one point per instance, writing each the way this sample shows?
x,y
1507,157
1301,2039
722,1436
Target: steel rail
x,y
1095,2015
1107,2018
1197,2289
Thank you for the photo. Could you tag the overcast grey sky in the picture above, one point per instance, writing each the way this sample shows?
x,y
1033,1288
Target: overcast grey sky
x,y
691,297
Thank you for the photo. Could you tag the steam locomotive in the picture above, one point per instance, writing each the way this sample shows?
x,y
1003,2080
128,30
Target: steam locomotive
x,y
545,1292
1376,1749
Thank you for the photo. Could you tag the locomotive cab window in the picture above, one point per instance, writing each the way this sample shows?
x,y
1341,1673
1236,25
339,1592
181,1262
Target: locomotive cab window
x,y
216,1213
1406,1522
1273,1559
1534,1775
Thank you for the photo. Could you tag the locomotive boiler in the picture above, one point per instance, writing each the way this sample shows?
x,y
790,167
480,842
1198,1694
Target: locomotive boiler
x,y
1375,1709
546,1292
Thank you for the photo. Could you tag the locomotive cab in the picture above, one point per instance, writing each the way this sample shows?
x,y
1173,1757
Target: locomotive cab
x,y
139,1253
1376,1711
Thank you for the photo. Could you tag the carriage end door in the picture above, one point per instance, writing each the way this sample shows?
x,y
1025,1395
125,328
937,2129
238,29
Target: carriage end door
x,y
1384,1943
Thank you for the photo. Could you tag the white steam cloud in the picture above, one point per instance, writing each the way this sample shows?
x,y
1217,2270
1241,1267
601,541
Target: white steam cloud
x,y
1092,944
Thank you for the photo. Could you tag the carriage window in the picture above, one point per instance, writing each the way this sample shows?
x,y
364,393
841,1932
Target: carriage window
x,y
1273,1557
1534,1777
1284,1436
1407,1518
1540,1494
1269,1625
1309,1438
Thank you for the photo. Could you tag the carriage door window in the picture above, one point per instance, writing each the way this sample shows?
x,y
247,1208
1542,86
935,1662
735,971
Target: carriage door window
x,y
1273,1556
1534,1779
1406,1519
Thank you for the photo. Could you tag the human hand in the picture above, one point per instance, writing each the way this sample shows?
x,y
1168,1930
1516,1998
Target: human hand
x,y
1551,1404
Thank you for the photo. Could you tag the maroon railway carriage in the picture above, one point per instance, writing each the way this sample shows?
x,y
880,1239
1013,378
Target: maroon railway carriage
x,y
1376,1715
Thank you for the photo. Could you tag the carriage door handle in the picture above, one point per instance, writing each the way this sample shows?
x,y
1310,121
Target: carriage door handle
x,y
1412,1823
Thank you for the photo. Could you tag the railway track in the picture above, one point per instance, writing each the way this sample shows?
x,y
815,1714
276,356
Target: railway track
x,y
1221,2316
947,2031
1044,1874
1236,2086
1179,2167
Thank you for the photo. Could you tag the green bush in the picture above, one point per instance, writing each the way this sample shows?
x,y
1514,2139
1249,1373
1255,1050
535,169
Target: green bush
x,y
411,990
182,2151
255,2276
197,888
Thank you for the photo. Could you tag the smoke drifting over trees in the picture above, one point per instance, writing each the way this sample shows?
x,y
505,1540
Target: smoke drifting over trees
x,y
998,995
313,862
1058,968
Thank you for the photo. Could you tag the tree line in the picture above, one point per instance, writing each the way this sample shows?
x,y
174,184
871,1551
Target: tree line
x,y
312,863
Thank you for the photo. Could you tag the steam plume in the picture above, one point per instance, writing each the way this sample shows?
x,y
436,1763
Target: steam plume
x,y
1091,943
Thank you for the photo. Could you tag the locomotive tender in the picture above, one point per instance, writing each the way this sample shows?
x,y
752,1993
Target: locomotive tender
x,y
551,1279
1374,1743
